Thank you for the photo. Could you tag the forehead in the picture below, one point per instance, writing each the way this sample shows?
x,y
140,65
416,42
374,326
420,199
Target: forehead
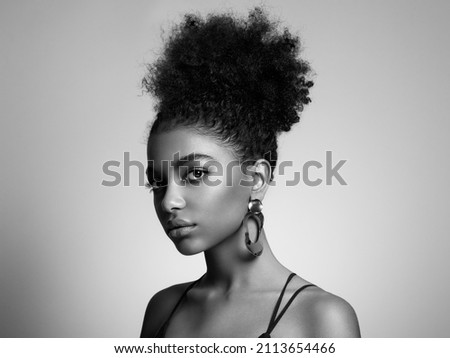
x,y
181,142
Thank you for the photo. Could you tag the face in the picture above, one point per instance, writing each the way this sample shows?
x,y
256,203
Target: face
x,y
198,193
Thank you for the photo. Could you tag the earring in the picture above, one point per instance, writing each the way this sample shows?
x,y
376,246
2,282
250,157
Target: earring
x,y
254,212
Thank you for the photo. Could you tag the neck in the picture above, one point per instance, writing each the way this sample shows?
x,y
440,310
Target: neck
x,y
230,265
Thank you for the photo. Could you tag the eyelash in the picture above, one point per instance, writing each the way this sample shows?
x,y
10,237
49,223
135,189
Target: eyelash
x,y
153,187
149,186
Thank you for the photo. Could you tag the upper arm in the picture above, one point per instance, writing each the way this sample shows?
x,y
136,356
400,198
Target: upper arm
x,y
335,318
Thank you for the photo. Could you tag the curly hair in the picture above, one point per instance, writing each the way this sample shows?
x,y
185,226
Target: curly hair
x,y
240,80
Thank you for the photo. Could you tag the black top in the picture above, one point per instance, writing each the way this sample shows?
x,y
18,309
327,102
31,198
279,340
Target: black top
x,y
273,320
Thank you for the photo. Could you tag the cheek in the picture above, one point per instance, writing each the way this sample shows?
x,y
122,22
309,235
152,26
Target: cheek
x,y
223,208
227,203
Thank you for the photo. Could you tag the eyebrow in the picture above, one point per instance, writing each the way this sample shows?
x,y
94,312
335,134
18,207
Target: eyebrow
x,y
192,157
185,159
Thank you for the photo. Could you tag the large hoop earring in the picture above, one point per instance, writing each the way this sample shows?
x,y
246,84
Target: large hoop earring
x,y
254,212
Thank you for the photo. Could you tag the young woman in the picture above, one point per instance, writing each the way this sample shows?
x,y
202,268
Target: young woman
x,y
225,88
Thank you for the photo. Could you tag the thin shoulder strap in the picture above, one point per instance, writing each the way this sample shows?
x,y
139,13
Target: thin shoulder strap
x,y
277,305
275,319
162,330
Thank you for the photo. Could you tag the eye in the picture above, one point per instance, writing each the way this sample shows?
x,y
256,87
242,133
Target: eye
x,y
196,174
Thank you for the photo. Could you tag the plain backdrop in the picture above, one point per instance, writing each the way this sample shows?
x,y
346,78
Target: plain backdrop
x,y
80,259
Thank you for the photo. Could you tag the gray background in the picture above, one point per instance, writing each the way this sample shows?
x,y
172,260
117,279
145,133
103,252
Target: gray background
x,y
79,259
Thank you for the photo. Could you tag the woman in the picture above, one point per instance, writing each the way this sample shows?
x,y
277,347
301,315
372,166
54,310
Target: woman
x,y
225,88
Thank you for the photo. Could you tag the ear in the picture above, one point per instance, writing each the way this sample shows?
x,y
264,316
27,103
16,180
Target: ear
x,y
261,172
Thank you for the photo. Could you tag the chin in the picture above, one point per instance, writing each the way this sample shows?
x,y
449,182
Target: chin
x,y
188,252
188,247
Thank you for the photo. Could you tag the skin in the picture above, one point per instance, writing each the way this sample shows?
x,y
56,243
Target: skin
x,y
237,295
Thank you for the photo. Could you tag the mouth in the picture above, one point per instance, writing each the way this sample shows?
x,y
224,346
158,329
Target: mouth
x,y
179,232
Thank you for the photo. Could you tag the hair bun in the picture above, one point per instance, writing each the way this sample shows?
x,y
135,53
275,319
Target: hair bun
x,y
232,67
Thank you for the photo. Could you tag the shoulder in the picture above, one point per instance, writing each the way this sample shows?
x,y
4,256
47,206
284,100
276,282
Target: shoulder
x,y
330,315
159,308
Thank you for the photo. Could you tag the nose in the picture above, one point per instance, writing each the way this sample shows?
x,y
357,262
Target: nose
x,y
173,198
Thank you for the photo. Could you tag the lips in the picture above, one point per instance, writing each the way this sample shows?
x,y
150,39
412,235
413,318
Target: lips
x,y
177,229
180,232
177,223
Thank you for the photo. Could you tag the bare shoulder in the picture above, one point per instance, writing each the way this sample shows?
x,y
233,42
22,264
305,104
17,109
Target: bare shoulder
x,y
330,315
160,307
